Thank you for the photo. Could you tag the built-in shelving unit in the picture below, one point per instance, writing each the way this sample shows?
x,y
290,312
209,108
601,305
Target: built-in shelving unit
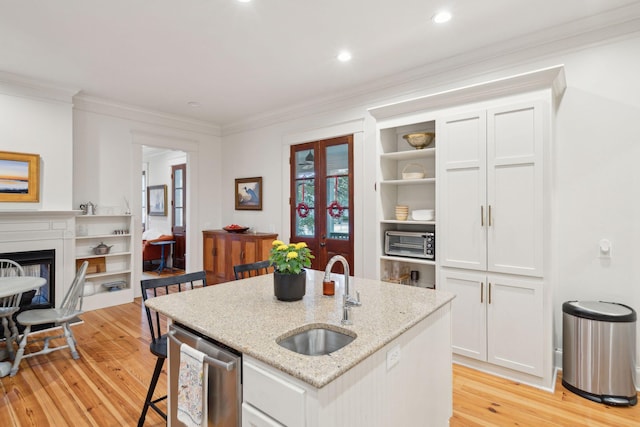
x,y
395,157
109,276
494,206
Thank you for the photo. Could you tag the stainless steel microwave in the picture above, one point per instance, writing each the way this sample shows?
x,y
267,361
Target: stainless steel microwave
x,y
421,244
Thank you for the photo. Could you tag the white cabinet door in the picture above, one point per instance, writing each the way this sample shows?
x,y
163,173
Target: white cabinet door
x,y
491,202
461,218
515,189
497,319
515,323
468,311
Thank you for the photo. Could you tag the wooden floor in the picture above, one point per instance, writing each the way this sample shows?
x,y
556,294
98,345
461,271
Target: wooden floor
x,y
107,385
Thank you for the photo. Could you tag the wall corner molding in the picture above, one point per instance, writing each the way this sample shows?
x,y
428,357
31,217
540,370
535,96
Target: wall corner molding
x,y
129,112
15,85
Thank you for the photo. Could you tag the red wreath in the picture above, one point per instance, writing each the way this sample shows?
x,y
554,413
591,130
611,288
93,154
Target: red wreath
x,y
335,209
302,209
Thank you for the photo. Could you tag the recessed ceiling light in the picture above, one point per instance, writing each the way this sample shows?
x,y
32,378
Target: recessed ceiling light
x,y
442,17
344,56
244,1
194,104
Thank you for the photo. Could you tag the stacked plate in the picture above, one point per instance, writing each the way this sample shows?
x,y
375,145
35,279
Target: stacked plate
x,y
423,214
402,212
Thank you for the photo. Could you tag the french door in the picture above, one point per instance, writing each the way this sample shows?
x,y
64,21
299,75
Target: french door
x,y
322,199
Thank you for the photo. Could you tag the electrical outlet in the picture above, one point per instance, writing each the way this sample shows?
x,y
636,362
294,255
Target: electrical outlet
x,y
393,357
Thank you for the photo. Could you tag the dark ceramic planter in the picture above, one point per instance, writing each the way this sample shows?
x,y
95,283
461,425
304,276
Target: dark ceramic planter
x,y
289,287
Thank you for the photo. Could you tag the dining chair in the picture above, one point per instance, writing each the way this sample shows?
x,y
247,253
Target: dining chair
x,y
9,305
62,316
242,271
158,327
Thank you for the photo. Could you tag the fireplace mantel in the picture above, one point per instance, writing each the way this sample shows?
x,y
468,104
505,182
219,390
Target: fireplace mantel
x,y
39,212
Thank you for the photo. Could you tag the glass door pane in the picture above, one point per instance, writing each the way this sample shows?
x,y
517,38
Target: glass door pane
x,y
337,185
304,200
178,198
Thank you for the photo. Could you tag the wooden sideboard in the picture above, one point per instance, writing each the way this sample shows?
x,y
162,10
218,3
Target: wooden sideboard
x,y
222,250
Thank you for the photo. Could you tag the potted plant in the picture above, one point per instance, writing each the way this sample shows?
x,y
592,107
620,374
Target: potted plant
x,y
289,261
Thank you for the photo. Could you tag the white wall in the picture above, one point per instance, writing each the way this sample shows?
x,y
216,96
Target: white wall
x,y
40,123
264,152
596,173
598,179
108,143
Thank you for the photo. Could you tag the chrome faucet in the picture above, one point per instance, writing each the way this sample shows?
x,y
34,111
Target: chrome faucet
x,y
349,300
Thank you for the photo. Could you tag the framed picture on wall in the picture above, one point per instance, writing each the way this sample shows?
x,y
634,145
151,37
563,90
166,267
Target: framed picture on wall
x,y
249,193
19,177
157,200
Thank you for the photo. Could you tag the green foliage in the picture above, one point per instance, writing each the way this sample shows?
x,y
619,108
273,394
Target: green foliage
x,y
291,258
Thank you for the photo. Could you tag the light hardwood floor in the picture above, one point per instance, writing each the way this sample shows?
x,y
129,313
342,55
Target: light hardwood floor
x,y
107,385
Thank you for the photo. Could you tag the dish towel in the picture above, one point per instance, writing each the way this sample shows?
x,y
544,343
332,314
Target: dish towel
x,y
192,387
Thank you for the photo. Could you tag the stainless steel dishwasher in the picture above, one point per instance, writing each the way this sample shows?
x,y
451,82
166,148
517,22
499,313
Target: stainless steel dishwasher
x,y
224,396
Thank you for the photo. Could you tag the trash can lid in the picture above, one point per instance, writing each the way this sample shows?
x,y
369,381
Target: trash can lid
x,y
600,310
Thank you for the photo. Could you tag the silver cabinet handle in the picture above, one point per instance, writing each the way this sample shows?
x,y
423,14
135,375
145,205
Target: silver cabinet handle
x,y
481,292
489,293
481,216
229,366
489,215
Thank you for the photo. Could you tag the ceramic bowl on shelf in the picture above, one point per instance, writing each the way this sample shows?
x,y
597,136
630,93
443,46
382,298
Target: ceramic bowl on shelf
x,y
420,140
402,212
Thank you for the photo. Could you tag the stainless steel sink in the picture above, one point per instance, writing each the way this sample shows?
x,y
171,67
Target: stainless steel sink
x,y
316,341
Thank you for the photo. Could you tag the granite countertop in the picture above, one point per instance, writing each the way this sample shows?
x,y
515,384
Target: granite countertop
x,y
246,316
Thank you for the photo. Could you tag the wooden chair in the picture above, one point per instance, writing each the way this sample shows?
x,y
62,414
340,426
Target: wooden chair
x,y
158,327
62,316
242,271
9,305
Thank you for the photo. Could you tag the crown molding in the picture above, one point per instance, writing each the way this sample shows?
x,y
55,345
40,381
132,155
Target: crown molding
x,y
15,85
129,112
470,67
552,77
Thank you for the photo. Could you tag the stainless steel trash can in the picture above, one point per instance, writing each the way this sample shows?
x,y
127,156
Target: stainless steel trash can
x,y
598,351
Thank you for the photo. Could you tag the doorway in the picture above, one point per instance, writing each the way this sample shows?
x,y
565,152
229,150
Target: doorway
x,y
163,167
321,205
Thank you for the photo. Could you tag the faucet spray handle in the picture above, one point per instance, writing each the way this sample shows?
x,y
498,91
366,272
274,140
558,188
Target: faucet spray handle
x,y
346,311
351,301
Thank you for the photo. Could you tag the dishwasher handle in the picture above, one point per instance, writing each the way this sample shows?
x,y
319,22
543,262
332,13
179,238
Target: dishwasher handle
x,y
229,366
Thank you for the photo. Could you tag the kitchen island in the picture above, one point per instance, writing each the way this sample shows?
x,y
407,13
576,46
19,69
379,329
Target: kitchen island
x,y
397,371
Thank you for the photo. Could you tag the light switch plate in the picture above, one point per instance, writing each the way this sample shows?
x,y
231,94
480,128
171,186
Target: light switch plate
x,y
604,248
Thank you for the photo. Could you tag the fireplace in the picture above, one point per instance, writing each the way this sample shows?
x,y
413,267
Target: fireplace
x,y
48,232
40,263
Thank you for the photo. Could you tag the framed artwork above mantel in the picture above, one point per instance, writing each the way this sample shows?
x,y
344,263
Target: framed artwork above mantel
x,y
19,177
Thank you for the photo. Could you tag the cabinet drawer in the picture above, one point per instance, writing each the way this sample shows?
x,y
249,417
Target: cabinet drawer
x,y
273,395
251,417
